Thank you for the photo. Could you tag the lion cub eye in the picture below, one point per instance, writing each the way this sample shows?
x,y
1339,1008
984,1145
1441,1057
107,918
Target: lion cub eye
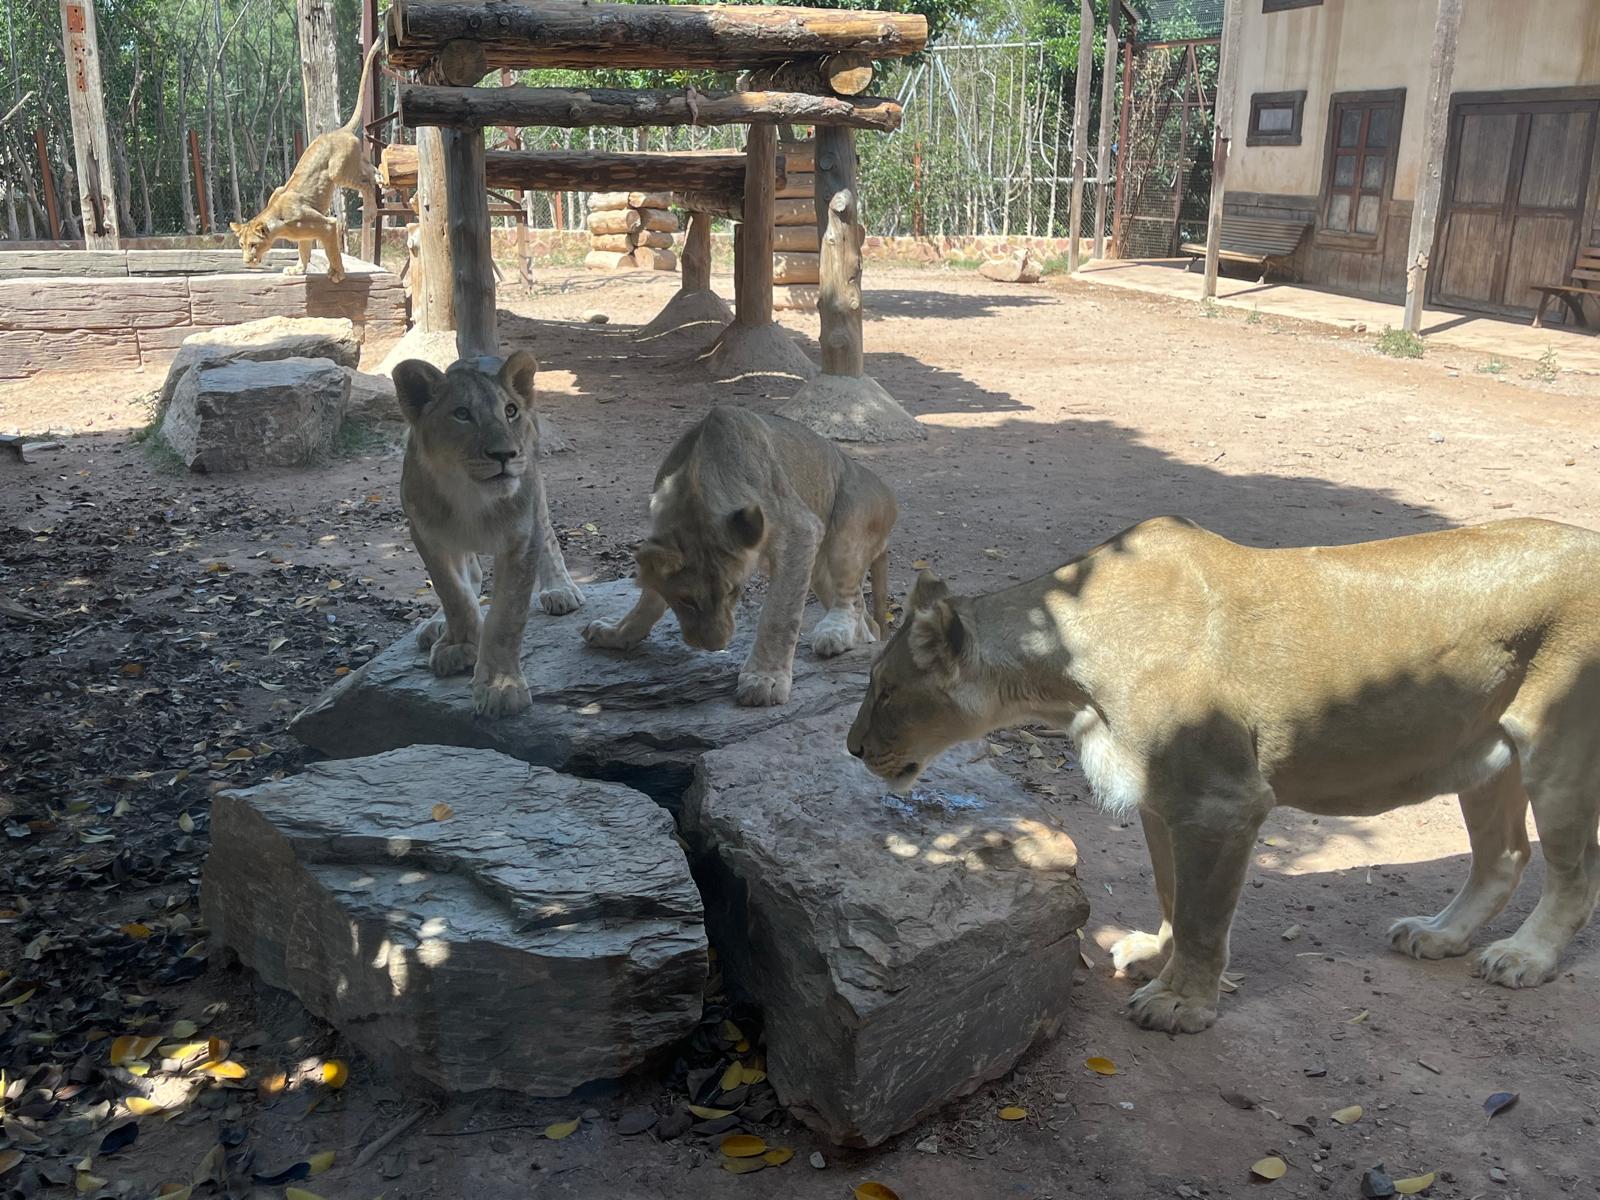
x,y
461,414
511,412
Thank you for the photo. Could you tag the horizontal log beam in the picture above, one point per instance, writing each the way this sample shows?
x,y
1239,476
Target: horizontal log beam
x,y
577,108
523,34
846,74
727,205
589,170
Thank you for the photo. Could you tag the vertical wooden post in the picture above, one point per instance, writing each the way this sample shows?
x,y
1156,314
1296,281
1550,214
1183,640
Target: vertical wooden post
x,y
1102,161
471,252
695,306
1436,134
1123,149
91,147
754,270
367,102
696,257
433,307
199,182
49,183
1227,85
738,258
319,66
1080,126
839,293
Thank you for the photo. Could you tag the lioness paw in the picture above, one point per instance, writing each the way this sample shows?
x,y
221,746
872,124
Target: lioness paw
x,y
431,631
609,635
452,658
294,269
1420,937
561,599
336,276
1514,964
1139,956
500,696
763,689
1157,1006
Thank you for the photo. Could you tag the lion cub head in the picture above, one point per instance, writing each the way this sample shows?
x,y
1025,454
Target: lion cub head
x,y
254,240
469,425
926,691
698,561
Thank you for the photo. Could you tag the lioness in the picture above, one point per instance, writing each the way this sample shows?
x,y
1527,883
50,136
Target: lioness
x,y
470,485
1204,683
742,490
298,211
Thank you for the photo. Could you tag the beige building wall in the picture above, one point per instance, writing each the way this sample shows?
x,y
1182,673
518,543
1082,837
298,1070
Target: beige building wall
x,y
1360,45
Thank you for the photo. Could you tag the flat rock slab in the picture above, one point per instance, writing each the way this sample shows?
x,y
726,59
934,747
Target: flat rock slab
x,y
904,951
543,934
264,340
244,414
643,717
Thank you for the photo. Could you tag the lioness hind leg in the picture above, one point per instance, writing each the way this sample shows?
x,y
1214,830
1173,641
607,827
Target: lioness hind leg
x,y
557,592
1143,955
837,579
1496,818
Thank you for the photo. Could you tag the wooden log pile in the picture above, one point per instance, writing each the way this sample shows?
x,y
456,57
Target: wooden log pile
x,y
796,243
631,231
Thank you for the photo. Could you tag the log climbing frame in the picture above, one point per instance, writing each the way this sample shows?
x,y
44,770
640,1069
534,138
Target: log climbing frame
x,y
802,66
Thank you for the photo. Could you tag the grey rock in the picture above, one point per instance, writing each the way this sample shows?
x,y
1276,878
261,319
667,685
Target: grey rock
x,y
1016,268
643,717
266,340
903,951
372,397
545,935
245,414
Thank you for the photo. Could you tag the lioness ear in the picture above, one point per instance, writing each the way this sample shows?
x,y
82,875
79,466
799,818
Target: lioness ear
x,y
414,384
929,590
658,560
939,639
516,376
748,524
236,227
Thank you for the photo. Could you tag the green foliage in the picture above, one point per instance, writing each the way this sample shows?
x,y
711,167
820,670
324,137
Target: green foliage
x,y
1494,366
1210,308
1547,369
1254,317
1400,343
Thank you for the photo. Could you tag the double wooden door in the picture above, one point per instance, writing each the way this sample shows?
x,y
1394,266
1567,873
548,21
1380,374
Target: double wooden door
x,y
1516,203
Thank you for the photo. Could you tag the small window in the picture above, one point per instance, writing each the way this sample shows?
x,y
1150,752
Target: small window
x,y
1275,118
1358,180
1270,6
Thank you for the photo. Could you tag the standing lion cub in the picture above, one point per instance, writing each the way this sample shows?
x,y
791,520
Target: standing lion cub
x,y
1206,683
742,490
470,485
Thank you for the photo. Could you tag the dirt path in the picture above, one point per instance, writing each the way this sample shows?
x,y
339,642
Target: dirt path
x,y
1056,415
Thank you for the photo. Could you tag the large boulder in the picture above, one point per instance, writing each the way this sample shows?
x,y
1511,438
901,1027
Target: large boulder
x,y
643,716
283,413
463,917
903,951
266,340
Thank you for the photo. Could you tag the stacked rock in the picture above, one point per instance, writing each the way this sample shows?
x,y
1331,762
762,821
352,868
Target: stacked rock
x,y
631,231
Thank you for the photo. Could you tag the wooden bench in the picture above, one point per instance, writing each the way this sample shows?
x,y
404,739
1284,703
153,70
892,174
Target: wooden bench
x,y
1582,280
1253,240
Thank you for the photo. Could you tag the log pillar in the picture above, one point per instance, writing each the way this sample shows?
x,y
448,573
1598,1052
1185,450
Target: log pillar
x,y
696,307
471,252
433,303
91,147
843,402
752,344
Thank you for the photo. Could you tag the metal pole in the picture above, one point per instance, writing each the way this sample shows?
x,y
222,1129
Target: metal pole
x,y
1122,136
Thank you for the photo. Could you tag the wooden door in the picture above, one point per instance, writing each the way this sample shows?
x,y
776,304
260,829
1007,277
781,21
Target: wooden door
x,y
1517,181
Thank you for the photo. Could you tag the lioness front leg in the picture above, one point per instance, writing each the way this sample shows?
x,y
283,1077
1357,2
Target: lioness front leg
x,y
498,686
1209,866
451,638
328,234
628,630
1142,955
558,594
304,265
768,673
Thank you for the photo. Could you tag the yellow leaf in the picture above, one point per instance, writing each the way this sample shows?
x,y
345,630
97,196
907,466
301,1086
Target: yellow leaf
x,y
743,1145
1348,1116
9,1159
293,1193
208,1165
217,1048
21,999
442,811
751,1075
777,1156
335,1073
1270,1168
1101,1066
132,669
373,497
174,1191
320,1162
135,930
1358,1018
731,1032
744,1166
86,1183
560,1130
226,1069
335,584
921,564
140,1106
873,1190
273,1084
709,1114
1417,1183
239,755
1013,1113
340,671
139,1069
186,822
732,1077
126,1049
182,1029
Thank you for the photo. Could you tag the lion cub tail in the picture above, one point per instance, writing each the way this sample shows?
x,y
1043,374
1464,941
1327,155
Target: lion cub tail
x,y
880,592
354,122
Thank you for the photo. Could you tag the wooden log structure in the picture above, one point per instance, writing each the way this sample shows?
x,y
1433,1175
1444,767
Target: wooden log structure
x,y
471,253
518,34
588,170
845,74
727,205
580,108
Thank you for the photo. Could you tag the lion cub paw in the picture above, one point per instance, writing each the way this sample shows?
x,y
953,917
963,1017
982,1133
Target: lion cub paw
x,y
836,633
561,599
608,635
763,689
452,658
1419,938
1158,1006
1139,956
500,696
1515,965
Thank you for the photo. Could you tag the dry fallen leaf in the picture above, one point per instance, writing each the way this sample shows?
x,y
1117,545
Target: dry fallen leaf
x,y
748,1075
335,1073
442,811
1347,1116
141,1106
560,1130
87,1183
1358,1018
9,1159
1012,1113
182,1029
175,1191
186,822
706,1113
1417,1183
743,1166
732,1077
743,1145
1499,1102
294,1193
226,1069
777,1156
1269,1168
136,930
1101,1066
127,1049
873,1190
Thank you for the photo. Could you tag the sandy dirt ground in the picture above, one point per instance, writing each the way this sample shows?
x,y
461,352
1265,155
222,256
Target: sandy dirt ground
x,y
1057,415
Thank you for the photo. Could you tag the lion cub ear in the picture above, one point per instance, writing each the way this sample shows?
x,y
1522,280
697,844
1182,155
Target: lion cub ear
x,y
657,560
928,591
414,384
516,376
940,640
748,525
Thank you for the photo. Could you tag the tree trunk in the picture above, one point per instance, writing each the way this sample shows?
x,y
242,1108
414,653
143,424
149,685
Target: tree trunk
x,y
433,293
471,252
92,147
319,66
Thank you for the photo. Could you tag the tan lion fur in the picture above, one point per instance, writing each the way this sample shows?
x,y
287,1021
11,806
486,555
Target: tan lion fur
x,y
299,211
1205,683
740,491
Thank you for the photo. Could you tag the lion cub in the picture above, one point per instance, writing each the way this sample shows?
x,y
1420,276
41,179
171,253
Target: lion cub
x,y
470,485
298,211
1206,683
742,490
